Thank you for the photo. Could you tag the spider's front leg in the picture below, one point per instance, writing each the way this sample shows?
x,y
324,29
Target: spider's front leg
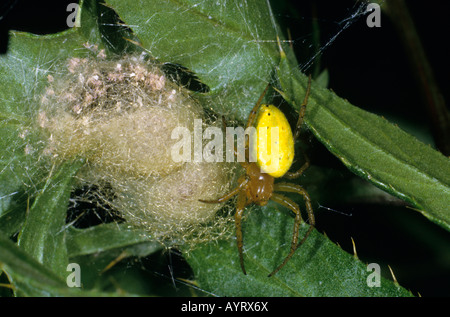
x,y
302,110
254,111
300,171
285,201
242,184
301,115
241,191
294,188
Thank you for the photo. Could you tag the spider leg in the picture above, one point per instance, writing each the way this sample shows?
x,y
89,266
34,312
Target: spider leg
x,y
251,118
285,201
254,111
301,115
294,188
302,111
300,171
242,184
240,207
231,141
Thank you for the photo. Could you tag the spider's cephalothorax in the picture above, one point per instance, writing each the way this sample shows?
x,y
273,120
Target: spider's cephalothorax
x,y
257,186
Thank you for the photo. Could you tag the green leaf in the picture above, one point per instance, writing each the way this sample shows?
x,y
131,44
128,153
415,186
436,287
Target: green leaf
x,y
372,147
29,276
43,234
13,171
106,237
318,268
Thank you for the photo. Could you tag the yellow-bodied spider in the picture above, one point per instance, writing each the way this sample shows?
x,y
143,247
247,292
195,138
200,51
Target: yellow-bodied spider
x,y
257,185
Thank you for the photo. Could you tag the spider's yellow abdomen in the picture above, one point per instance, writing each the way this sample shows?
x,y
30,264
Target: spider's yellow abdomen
x,y
275,141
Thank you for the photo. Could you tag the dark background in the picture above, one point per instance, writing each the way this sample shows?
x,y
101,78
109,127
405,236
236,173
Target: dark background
x,y
370,68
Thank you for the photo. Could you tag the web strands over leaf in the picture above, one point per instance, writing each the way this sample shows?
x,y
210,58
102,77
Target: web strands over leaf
x,y
231,47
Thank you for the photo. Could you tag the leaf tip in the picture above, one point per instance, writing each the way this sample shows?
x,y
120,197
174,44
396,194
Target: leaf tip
x,y
282,53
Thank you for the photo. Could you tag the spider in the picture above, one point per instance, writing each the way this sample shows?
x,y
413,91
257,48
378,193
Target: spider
x,y
258,187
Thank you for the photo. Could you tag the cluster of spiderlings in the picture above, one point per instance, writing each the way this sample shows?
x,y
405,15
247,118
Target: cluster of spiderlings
x,y
119,114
